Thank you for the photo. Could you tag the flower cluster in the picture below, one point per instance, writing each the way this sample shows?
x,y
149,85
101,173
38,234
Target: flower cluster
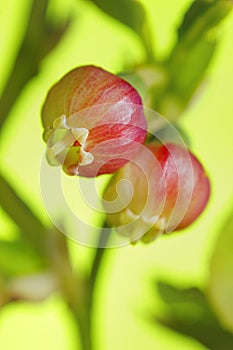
x,y
95,124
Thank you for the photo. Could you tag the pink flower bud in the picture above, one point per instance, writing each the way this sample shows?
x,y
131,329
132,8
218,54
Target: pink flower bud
x,y
164,189
93,121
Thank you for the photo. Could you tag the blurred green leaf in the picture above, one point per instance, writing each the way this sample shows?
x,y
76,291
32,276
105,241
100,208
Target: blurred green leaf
x,y
17,258
129,12
191,55
40,38
190,303
188,68
188,312
132,14
30,225
195,46
220,287
48,243
202,16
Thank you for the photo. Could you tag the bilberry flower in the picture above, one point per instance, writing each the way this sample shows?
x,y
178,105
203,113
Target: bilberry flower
x,y
93,122
164,189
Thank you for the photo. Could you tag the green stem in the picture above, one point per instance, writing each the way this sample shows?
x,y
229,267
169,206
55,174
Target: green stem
x,y
83,311
82,319
30,226
99,253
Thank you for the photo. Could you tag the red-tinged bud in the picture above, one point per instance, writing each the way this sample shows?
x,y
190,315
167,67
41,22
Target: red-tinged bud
x,y
164,189
93,121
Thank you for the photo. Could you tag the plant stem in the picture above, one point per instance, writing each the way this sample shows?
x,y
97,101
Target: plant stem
x,y
99,253
84,309
82,321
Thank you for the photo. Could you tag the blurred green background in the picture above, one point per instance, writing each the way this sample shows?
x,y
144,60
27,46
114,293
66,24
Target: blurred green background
x,y
126,294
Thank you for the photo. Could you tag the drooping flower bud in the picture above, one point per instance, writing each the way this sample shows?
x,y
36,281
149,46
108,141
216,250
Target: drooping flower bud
x,y
164,189
93,121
